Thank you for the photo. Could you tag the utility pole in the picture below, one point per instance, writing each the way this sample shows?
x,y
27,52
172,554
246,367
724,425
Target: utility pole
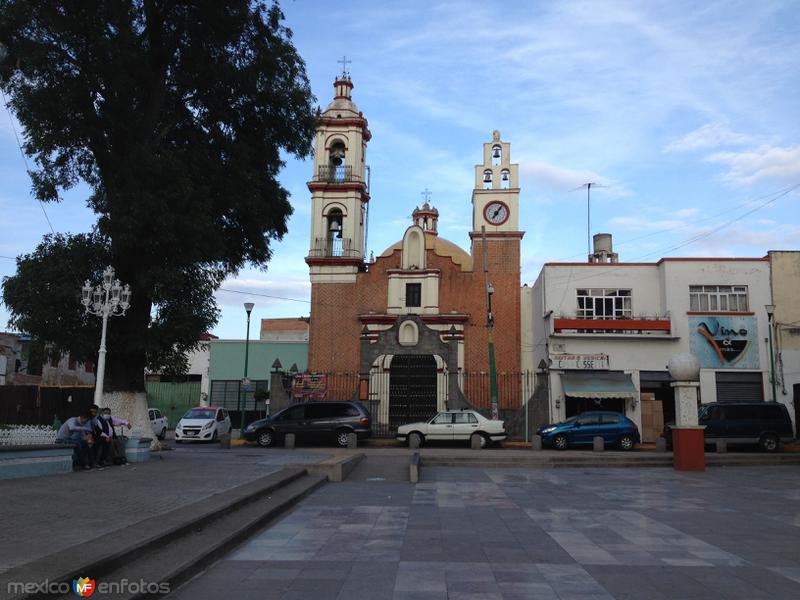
x,y
589,187
489,325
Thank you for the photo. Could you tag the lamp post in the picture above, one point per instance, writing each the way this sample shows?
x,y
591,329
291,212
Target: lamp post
x,y
109,299
248,306
770,314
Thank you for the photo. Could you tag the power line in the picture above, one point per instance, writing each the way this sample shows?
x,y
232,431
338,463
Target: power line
x,y
230,291
24,158
696,238
682,226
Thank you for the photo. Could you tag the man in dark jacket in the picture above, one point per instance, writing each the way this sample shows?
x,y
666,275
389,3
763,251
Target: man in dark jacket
x,y
110,449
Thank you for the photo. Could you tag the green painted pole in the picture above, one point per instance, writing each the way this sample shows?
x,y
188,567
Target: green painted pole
x,y
243,405
492,375
489,326
772,365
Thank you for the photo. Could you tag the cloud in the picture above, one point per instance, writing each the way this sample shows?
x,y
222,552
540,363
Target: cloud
x,y
566,179
710,135
685,213
764,163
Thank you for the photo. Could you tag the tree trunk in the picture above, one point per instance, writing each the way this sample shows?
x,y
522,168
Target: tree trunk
x,y
132,406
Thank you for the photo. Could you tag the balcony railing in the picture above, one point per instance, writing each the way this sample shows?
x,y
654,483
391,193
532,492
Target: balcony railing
x,y
334,247
653,325
335,174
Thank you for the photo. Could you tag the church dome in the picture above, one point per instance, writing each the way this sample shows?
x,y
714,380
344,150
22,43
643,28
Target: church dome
x,y
440,247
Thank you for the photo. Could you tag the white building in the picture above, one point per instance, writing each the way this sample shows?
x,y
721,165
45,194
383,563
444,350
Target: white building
x,y
604,332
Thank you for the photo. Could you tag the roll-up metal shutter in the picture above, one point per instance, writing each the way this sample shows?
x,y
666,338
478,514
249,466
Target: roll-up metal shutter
x,y
740,387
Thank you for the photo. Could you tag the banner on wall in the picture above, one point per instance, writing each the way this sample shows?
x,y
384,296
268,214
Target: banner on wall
x,y
724,342
310,386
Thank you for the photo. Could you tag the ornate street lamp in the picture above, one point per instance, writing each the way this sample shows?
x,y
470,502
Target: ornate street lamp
x,y
248,306
109,299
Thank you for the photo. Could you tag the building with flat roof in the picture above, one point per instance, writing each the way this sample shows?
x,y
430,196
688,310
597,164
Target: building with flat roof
x,y
604,332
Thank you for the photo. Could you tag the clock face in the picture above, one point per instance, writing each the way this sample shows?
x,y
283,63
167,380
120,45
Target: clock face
x,y
496,212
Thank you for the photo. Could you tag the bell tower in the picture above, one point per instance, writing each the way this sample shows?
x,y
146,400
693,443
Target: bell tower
x,y
339,189
495,198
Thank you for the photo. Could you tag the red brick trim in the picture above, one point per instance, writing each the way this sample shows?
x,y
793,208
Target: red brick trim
x,y
378,319
445,319
412,272
332,261
476,235
721,313
613,324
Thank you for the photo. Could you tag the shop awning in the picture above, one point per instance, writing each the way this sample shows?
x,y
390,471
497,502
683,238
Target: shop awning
x,y
598,385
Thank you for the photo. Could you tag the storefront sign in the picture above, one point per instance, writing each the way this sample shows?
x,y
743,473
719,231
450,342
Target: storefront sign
x,y
725,342
310,386
583,362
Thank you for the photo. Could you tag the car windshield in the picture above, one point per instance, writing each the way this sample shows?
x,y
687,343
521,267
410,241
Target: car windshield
x,y
569,421
199,414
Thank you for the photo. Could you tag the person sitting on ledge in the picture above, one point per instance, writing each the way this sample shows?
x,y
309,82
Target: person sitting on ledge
x,y
110,449
76,432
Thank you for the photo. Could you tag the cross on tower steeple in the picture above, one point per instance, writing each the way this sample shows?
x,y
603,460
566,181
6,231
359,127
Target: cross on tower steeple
x,y
344,62
426,194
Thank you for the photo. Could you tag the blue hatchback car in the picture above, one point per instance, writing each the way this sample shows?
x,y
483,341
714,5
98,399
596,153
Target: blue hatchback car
x,y
615,428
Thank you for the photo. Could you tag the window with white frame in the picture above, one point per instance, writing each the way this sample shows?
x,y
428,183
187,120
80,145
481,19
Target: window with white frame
x,y
724,298
604,303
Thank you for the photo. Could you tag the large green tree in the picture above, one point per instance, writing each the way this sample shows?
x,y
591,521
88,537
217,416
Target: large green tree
x,y
176,115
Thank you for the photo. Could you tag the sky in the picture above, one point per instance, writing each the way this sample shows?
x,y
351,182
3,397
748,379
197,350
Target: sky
x,y
687,112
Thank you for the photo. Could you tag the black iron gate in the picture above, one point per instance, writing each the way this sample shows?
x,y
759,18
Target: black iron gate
x,y
412,389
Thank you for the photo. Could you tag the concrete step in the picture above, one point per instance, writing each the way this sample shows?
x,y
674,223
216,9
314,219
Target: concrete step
x,y
172,547
181,559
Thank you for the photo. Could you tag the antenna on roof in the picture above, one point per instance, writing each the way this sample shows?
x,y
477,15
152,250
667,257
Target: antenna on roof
x,y
589,187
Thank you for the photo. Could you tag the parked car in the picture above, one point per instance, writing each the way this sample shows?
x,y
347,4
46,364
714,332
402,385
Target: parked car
x,y
203,423
158,422
452,425
615,428
312,421
766,424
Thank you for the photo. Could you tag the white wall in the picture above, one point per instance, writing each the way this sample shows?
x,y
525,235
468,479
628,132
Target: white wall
x,y
658,289
198,365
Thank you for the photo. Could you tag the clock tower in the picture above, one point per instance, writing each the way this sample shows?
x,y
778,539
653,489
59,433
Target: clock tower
x,y
495,198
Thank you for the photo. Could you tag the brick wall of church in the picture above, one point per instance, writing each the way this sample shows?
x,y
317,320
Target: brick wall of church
x,y
335,328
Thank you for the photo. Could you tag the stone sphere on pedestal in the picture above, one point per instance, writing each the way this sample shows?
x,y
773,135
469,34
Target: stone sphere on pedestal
x,y
684,367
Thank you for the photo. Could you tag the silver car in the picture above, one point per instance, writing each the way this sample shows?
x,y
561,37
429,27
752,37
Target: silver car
x,y
452,425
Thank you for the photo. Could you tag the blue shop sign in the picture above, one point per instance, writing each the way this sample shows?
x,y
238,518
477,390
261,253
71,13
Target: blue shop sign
x,y
724,342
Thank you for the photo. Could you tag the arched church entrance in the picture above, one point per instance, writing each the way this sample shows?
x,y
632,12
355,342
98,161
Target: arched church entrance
x,y
412,389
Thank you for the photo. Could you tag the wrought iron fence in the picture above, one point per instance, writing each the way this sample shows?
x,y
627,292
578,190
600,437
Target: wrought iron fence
x,y
514,388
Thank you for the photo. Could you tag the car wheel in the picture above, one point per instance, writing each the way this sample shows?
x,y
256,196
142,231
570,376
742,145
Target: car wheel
x,y
560,442
626,443
163,434
416,436
483,439
265,439
769,442
342,437
214,437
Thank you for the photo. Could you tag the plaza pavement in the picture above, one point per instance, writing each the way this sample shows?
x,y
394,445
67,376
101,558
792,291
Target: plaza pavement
x,y
573,534
42,515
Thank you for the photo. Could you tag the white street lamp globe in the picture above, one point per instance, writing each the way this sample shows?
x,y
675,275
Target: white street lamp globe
x,y
248,306
683,366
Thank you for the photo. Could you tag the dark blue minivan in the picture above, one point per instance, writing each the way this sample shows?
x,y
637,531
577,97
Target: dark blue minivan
x,y
615,428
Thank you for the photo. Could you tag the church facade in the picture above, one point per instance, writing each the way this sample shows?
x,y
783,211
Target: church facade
x,y
408,331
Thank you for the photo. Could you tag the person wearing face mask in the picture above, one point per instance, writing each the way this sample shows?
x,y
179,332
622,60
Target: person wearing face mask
x,y
110,449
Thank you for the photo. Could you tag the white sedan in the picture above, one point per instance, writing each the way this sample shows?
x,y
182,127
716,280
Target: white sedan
x,y
455,425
